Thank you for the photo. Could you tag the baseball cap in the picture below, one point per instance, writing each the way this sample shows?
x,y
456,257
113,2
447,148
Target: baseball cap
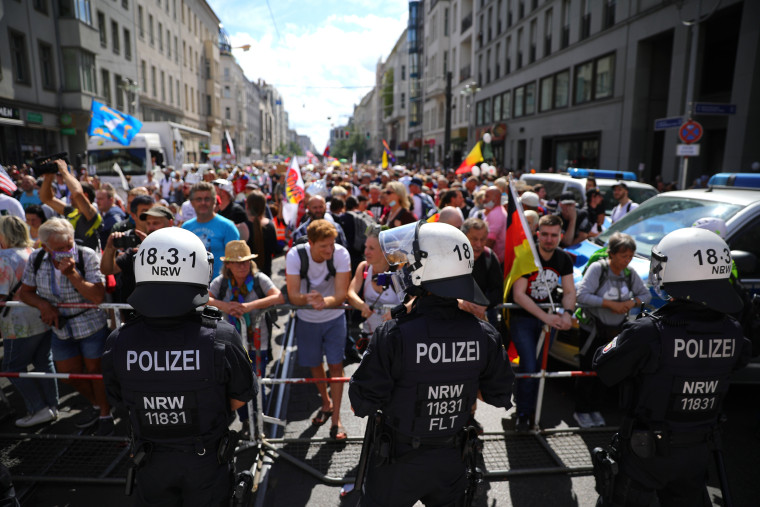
x,y
566,198
252,184
416,181
530,199
225,185
157,211
620,184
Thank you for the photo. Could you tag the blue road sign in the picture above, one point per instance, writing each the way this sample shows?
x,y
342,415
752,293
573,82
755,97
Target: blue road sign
x,y
668,123
706,108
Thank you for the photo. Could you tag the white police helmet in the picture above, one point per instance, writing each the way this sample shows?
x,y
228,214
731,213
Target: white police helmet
x,y
172,272
436,257
695,265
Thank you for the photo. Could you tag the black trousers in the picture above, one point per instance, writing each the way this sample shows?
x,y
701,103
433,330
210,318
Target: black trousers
x,y
437,477
184,479
677,480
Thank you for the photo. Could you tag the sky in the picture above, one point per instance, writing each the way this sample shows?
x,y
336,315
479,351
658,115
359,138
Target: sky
x,y
321,55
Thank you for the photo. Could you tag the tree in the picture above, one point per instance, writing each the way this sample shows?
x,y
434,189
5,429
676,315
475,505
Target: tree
x,y
288,149
345,148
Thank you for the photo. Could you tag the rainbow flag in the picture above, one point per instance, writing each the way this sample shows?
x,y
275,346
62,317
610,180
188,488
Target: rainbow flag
x,y
473,158
389,153
294,186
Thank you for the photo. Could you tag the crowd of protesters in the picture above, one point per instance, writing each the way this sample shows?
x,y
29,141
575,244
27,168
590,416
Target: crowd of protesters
x,y
71,238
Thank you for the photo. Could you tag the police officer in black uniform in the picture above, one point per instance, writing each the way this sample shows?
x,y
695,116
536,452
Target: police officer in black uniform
x,y
675,366
180,374
424,368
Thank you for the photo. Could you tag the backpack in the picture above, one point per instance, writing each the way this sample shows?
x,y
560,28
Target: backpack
x,y
303,273
428,207
601,256
362,222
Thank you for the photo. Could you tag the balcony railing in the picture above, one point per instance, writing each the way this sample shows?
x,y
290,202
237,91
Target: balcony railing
x,y
465,73
466,22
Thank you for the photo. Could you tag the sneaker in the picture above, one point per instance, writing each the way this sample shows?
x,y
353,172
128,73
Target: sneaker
x,y
475,424
87,417
584,419
598,419
523,423
40,417
105,427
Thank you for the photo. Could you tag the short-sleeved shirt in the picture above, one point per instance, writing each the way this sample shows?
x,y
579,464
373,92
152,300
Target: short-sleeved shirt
x,y
85,230
29,200
497,230
317,275
58,289
266,286
215,234
110,218
11,206
619,212
19,321
560,264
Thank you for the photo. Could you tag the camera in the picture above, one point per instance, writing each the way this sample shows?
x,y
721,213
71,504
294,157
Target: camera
x,y
47,165
126,241
383,279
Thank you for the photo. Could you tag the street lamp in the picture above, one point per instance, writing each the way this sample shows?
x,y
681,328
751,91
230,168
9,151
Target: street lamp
x,y
134,90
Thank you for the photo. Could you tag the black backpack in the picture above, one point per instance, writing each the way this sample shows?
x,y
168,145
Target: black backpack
x,y
303,273
362,222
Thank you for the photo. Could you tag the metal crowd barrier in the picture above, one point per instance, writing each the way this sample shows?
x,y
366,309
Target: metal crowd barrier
x,y
267,446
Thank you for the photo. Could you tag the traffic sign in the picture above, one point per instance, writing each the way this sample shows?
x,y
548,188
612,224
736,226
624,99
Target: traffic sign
x,y
707,108
668,123
690,132
687,150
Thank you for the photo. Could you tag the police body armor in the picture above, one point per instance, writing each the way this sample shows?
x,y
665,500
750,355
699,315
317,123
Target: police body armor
x,y
442,361
686,385
172,380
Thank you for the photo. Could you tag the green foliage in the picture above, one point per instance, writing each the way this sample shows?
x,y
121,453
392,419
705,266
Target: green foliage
x,y
345,148
288,149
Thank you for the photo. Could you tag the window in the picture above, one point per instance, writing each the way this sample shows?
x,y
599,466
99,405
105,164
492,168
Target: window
x,y
154,84
160,37
125,4
603,77
150,29
562,89
105,78
88,72
47,72
144,75
102,29
41,6
127,45
547,32
519,105
115,37
19,59
584,74
532,49
171,90
498,18
78,9
168,44
594,80
479,113
163,87
519,48
176,52
445,22
403,101
119,89
546,97
565,24
403,72
140,23
227,113
585,19
497,108
506,104
608,14
487,111
227,91
530,98
488,66
508,61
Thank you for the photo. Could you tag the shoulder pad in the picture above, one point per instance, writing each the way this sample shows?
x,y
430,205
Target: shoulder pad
x,y
399,311
133,319
212,312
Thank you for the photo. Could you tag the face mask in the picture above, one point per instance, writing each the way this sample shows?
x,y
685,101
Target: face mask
x,y
392,204
489,205
59,256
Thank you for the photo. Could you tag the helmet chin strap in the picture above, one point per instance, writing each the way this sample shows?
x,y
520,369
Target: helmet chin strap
x,y
418,253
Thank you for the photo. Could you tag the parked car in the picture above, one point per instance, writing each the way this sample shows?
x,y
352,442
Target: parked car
x,y
575,181
666,212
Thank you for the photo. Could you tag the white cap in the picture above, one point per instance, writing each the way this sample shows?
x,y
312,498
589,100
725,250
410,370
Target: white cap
x,y
225,185
529,199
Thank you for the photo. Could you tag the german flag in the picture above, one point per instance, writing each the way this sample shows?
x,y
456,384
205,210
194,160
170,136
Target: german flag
x,y
520,255
473,158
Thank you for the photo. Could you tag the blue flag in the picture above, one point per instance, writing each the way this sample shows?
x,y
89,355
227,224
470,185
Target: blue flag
x,y
113,125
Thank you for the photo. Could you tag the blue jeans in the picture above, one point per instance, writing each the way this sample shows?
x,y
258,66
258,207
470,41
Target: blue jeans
x,y
19,353
525,331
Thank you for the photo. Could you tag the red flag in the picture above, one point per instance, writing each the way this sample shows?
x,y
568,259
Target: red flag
x,y
327,151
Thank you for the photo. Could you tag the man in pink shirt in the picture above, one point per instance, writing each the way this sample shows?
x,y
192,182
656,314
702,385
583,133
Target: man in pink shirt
x,y
496,217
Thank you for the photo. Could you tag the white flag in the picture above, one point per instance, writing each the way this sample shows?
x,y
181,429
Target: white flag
x,y
294,186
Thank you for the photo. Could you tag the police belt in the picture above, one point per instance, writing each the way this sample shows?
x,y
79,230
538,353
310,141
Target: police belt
x,y
684,438
429,442
192,448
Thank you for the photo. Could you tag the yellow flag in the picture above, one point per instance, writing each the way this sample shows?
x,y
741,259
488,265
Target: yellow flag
x,y
385,159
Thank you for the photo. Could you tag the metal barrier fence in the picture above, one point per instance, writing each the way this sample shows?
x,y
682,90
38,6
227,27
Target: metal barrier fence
x,y
270,447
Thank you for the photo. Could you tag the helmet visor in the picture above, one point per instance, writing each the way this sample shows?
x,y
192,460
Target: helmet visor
x,y
397,244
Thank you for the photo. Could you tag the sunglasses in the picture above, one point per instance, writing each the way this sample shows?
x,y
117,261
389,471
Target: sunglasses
x,y
388,192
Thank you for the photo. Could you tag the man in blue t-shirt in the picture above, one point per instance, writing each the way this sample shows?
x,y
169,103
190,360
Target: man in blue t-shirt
x,y
215,231
30,195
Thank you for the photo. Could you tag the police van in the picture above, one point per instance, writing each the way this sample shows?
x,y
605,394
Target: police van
x,y
733,197
574,181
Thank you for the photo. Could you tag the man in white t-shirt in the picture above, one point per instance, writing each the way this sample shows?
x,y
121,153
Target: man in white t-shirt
x,y
321,331
625,204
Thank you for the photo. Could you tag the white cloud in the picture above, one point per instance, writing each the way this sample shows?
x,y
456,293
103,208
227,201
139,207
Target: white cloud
x,y
326,46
